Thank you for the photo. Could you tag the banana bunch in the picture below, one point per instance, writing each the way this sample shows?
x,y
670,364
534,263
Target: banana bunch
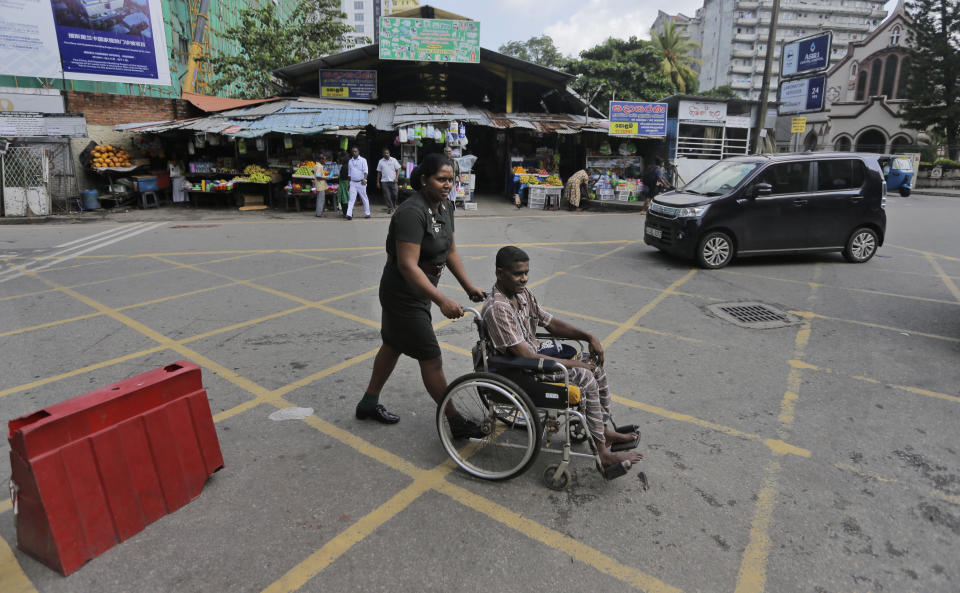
x,y
251,169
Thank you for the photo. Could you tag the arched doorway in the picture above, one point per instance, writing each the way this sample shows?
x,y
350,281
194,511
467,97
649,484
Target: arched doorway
x,y
810,142
900,144
842,144
872,141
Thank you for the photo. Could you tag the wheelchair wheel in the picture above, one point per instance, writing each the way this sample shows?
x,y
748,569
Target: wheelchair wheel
x,y
578,432
552,482
505,450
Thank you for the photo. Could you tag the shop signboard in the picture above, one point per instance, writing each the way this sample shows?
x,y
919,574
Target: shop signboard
x,y
806,55
628,118
429,40
702,111
348,84
802,95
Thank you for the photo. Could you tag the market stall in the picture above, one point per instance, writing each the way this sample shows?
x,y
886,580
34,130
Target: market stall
x,y
615,169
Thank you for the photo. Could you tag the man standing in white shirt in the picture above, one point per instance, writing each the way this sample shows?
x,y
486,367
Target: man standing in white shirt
x,y
387,179
358,170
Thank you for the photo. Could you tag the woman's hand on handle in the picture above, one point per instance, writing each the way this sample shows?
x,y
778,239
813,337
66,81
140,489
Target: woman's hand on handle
x,y
450,308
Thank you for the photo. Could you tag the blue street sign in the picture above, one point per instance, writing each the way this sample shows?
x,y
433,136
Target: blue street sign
x,y
802,95
807,55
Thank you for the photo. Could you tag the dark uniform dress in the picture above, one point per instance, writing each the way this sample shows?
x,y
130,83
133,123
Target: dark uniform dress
x,y
406,324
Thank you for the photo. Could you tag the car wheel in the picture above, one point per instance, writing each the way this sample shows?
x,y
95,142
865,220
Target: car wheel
x,y
861,246
905,191
715,250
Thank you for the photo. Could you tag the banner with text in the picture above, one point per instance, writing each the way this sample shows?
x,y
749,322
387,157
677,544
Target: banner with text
x,y
28,40
629,118
348,84
429,40
112,41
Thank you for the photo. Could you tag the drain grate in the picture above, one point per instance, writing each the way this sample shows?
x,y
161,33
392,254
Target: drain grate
x,y
753,315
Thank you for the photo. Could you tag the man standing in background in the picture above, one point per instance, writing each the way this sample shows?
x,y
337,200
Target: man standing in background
x,y
387,170
358,170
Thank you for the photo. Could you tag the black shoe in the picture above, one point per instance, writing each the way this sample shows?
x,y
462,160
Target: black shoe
x,y
378,413
366,216
461,428
349,218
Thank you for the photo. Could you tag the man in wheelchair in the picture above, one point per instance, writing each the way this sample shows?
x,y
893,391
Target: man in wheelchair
x,y
511,315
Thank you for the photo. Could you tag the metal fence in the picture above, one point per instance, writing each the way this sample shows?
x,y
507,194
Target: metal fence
x,y
43,168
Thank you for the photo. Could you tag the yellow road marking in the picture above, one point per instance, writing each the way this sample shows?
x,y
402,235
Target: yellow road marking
x,y
558,541
775,445
915,390
847,288
12,578
944,496
921,252
645,287
943,276
811,315
752,576
629,323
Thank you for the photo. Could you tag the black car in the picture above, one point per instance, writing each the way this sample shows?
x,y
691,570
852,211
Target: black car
x,y
773,204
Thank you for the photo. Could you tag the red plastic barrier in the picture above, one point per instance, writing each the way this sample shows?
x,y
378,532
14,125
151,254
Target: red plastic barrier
x,y
96,469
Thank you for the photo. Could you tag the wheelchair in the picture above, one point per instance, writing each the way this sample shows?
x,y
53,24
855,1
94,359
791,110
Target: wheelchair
x,y
520,408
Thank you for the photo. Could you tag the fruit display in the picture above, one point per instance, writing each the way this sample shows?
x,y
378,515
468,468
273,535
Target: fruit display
x,y
553,180
518,170
304,171
254,169
529,180
257,177
106,155
295,188
308,164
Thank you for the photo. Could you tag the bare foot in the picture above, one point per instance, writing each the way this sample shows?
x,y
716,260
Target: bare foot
x,y
608,458
612,436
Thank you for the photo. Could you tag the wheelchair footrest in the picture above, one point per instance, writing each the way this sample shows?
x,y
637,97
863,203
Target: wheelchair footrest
x,y
626,446
616,470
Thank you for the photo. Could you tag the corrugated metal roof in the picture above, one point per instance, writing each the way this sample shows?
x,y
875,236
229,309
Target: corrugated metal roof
x,y
210,104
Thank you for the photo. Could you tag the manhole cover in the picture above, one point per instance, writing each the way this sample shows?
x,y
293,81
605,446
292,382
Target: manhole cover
x,y
753,315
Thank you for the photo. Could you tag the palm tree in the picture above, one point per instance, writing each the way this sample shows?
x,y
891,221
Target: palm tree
x,y
677,62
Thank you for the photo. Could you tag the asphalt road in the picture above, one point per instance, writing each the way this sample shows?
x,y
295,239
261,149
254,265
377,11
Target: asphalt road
x,y
817,457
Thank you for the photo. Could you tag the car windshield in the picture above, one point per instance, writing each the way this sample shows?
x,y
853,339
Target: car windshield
x,y
720,178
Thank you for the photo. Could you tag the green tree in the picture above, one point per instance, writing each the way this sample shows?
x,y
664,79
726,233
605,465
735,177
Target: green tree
x,y
265,43
539,50
934,86
627,68
676,62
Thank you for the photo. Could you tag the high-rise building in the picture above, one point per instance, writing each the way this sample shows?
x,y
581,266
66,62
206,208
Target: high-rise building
x,y
364,16
733,36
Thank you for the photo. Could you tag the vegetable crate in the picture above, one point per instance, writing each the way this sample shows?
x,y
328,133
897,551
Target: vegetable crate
x,y
537,196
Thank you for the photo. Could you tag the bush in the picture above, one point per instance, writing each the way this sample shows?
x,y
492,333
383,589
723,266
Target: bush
x,y
946,163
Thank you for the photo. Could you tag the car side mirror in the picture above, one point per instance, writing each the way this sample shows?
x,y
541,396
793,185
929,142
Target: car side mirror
x,y
762,189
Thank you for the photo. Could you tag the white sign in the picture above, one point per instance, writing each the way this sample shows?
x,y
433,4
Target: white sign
x,y
739,121
803,95
42,100
35,125
806,55
100,40
702,111
28,39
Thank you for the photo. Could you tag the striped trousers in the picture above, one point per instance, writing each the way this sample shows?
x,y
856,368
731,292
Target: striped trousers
x,y
593,389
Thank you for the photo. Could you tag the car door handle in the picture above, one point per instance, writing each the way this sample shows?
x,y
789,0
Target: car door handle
x,y
800,202
856,199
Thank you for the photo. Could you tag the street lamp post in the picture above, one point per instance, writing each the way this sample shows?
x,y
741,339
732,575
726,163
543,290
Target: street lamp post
x,y
765,86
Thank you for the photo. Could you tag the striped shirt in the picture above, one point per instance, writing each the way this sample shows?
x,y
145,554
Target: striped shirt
x,y
508,325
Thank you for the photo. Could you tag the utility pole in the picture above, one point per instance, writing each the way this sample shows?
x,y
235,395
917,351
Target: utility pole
x,y
765,86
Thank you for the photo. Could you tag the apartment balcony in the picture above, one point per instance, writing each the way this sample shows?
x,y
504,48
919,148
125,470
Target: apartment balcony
x,y
741,70
748,4
748,21
744,53
878,14
748,37
740,85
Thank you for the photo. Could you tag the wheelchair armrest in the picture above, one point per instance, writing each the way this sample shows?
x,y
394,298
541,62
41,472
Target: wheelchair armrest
x,y
518,362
